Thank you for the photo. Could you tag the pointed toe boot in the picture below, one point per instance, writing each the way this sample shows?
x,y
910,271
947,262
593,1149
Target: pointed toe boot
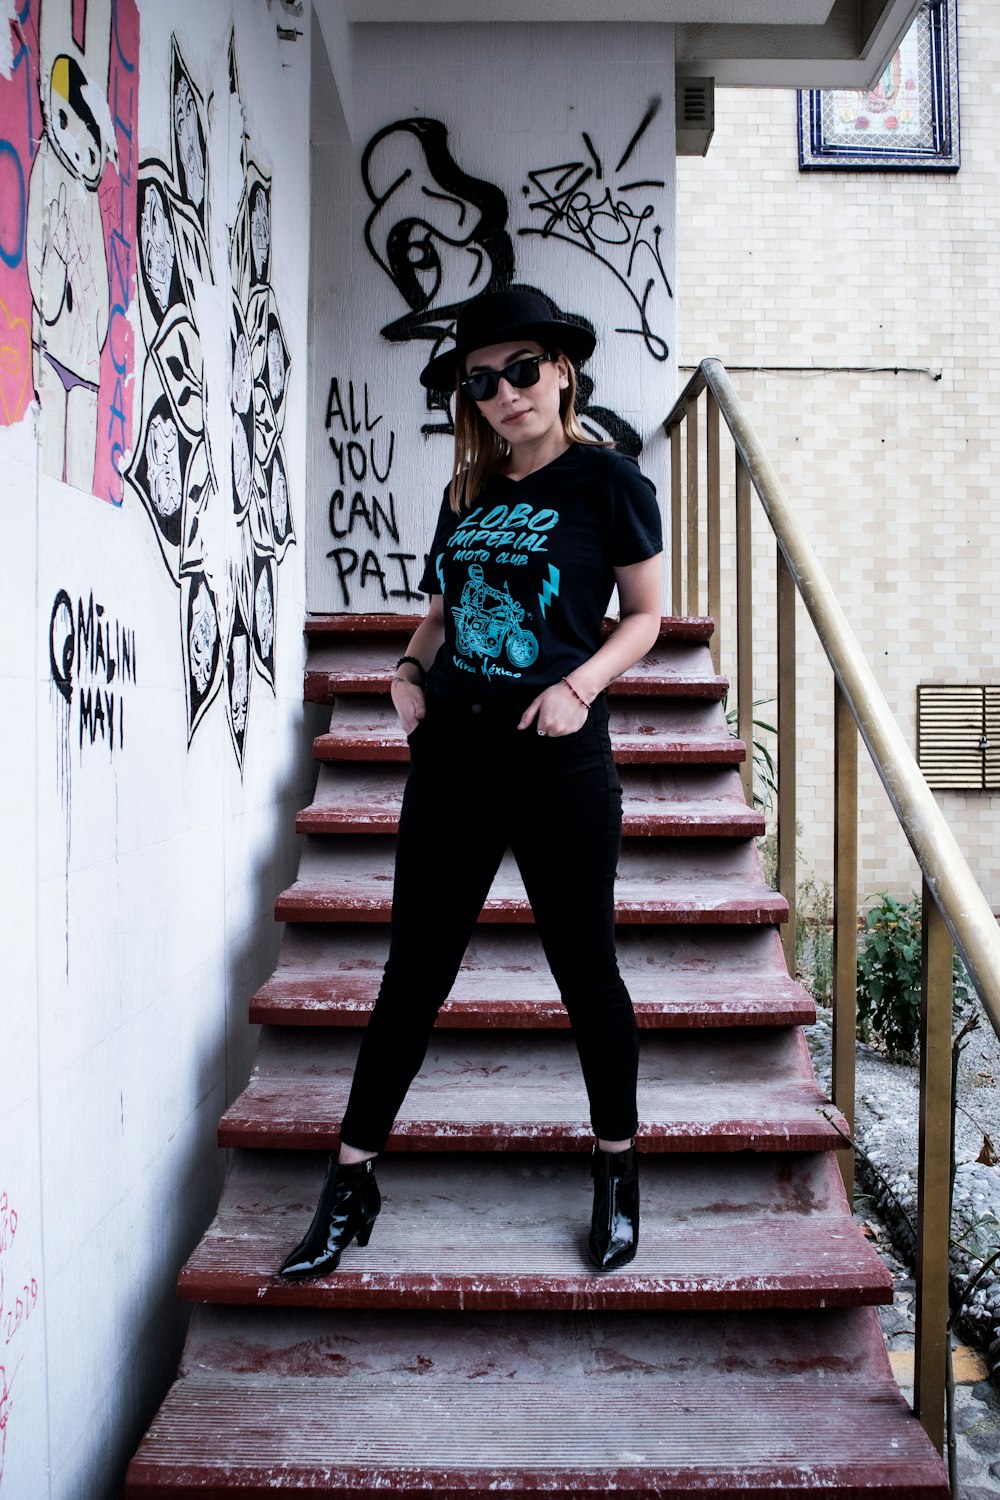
x,y
614,1228
348,1207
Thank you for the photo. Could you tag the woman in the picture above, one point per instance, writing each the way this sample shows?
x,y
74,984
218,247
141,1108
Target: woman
x,y
501,695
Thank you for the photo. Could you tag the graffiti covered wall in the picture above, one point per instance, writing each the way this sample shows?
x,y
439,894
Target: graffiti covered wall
x,y
210,431
154,208
68,132
563,182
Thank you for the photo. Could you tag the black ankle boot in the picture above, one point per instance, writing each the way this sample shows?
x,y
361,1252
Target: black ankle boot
x,y
348,1207
614,1228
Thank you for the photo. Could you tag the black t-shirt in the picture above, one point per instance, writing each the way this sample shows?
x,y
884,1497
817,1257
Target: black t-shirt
x,y
527,573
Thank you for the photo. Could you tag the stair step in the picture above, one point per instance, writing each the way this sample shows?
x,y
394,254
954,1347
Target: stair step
x,y
735,1090
345,658
677,977
364,797
675,668
447,1405
656,731
470,1349
349,879
510,1232
357,627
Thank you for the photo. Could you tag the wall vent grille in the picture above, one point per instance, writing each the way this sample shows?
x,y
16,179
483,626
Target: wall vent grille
x,y
694,106
958,736
694,100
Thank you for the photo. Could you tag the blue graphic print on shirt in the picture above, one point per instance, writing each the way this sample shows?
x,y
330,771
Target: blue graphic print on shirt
x,y
550,588
489,622
483,627
528,571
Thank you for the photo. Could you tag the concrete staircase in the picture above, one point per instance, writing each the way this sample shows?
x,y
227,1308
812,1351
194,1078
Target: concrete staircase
x,y
469,1349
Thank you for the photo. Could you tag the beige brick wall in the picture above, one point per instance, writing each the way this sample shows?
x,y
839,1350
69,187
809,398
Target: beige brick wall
x,y
895,474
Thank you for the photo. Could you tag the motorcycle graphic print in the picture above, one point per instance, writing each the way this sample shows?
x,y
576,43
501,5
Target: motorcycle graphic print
x,y
489,621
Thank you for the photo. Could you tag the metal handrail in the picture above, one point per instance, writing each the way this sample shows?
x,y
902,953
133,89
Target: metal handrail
x,y
954,911
952,884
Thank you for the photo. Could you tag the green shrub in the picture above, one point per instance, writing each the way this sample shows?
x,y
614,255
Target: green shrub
x,y
889,959
813,921
814,938
765,770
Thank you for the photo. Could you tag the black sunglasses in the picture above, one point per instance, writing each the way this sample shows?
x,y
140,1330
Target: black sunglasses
x,y
483,385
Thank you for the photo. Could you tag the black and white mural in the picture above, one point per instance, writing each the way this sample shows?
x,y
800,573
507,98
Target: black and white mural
x,y
209,466
444,236
486,158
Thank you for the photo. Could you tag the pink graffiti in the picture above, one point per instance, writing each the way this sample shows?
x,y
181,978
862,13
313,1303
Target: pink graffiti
x,y
20,126
21,130
14,1313
5,1404
118,211
8,1223
11,1318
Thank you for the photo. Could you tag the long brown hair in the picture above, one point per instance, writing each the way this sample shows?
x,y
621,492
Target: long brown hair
x,y
480,451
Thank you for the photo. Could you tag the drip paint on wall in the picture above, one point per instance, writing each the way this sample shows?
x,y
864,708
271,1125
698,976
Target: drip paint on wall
x,y
220,512
19,1295
68,121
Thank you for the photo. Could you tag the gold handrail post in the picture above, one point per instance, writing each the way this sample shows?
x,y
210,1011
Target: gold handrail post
x,y
786,753
692,507
845,920
744,623
676,522
714,525
933,1170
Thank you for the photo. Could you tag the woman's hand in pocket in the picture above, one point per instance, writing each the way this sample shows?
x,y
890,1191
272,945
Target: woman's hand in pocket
x,y
556,712
409,702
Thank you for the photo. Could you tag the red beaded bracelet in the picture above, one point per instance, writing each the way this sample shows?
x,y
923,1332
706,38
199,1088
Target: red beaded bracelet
x,y
582,701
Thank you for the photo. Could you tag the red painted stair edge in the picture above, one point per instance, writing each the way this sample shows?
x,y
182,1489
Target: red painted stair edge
x,y
695,628
629,750
726,1135
296,1003
310,904
918,1481
527,1292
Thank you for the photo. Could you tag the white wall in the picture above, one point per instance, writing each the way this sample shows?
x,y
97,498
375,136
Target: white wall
x,y
514,100
137,883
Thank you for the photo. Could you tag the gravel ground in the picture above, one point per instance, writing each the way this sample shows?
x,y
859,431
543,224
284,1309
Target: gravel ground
x,y
886,1129
977,1399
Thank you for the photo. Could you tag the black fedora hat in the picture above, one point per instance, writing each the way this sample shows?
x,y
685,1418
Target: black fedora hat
x,y
499,317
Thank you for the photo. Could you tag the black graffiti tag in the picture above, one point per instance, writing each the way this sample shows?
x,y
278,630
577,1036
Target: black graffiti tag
x,y
441,235
364,457
438,232
580,208
88,652
62,638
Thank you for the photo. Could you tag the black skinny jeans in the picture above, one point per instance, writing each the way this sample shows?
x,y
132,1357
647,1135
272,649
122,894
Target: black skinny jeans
x,y
477,785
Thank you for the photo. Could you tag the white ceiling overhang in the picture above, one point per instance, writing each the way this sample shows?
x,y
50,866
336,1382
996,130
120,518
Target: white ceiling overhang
x,y
711,12
753,43
784,43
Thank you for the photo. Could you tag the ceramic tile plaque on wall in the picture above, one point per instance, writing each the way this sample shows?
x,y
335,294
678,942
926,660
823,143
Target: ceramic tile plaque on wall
x,y
908,122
